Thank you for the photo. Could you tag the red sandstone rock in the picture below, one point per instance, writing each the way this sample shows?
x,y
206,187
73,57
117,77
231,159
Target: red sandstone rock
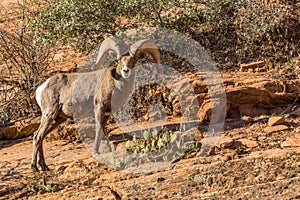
x,y
296,112
275,120
277,128
223,142
291,141
248,143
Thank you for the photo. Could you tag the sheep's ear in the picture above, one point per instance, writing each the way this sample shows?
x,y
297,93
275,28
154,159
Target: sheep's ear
x,y
113,54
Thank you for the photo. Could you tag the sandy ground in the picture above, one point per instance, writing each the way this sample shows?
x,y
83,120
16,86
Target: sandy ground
x,y
266,171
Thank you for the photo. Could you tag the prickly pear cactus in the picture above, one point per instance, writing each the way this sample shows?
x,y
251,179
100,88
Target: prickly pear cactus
x,y
154,146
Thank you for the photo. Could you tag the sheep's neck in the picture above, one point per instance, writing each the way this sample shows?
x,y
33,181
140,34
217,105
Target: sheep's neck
x,y
122,90
115,74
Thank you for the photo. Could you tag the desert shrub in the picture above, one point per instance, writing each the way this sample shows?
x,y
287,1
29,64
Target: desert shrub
x,y
249,30
78,23
24,60
182,15
83,23
150,95
235,29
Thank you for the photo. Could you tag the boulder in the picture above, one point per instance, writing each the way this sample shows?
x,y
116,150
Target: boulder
x,y
20,129
8,132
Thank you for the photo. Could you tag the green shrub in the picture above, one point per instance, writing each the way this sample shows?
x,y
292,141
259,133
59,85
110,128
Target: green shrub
x,y
235,29
247,30
79,23
83,23
151,142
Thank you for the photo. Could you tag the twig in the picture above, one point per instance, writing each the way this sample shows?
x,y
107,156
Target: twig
x,y
289,107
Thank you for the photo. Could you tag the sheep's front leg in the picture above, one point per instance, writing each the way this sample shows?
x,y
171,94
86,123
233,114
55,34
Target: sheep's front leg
x,y
100,138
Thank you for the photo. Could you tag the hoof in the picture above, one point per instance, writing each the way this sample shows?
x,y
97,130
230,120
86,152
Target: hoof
x,y
96,153
113,147
45,168
105,147
34,169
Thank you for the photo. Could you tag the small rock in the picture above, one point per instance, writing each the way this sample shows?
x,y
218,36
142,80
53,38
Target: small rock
x,y
4,192
198,135
212,106
206,150
224,141
248,143
275,120
60,168
27,130
40,192
160,179
228,156
277,128
237,144
70,168
195,133
199,86
291,141
246,66
296,112
20,129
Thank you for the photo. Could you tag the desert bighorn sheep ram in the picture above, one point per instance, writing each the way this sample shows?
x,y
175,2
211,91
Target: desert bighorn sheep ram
x,y
57,94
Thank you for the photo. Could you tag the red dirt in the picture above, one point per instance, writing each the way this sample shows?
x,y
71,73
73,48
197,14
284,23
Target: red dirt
x,y
233,172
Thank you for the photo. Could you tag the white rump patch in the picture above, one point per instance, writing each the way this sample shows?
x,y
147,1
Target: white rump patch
x,y
38,92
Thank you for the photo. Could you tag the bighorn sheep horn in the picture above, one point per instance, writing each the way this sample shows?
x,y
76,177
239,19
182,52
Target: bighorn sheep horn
x,y
110,44
145,46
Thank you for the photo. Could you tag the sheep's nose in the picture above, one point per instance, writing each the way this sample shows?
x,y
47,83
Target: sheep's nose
x,y
126,70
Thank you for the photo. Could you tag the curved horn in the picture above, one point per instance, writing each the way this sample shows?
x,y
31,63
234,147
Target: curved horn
x,y
110,44
145,46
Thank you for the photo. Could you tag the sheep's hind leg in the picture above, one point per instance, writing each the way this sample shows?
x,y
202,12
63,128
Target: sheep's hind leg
x,y
38,140
46,123
41,161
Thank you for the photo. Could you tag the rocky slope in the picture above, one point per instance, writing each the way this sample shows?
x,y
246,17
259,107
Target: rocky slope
x,y
257,156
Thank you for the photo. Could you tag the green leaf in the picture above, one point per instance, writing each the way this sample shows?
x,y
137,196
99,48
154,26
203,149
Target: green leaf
x,y
54,188
32,188
160,143
128,159
146,134
174,137
198,145
129,144
47,187
165,137
154,143
147,149
154,133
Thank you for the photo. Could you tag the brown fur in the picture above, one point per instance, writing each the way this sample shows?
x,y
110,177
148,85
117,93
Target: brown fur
x,y
98,88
